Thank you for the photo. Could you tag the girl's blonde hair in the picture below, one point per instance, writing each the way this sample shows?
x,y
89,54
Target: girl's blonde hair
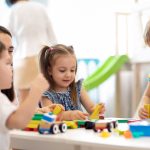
x,y
48,57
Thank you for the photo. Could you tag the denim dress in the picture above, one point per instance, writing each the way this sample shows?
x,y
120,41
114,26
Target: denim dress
x,y
64,98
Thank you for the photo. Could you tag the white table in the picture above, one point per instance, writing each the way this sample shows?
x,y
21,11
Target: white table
x,y
75,139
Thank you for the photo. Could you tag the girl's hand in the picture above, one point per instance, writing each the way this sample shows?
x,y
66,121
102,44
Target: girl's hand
x,y
78,115
103,109
143,114
49,108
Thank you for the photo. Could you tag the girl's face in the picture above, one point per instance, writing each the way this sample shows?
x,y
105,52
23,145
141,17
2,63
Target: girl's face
x,y
7,40
5,70
63,71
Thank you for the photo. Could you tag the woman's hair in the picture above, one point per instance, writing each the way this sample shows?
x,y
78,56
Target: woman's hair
x,y
8,92
10,2
147,34
5,31
2,47
48,58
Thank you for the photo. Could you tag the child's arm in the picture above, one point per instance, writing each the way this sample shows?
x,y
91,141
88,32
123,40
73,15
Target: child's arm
x,y
73,115
25,111
145,100
87,102
46,101
66,115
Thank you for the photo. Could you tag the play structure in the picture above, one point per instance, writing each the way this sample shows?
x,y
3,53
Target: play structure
x,y
111,66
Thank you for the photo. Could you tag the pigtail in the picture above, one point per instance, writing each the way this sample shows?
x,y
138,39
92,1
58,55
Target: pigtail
x,y
44,62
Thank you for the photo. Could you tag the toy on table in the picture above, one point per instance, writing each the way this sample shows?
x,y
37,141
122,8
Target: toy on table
x,y
49,125
96,112
100,125
105,134
71,124
127,134
140,128
33,124
57,110
147,107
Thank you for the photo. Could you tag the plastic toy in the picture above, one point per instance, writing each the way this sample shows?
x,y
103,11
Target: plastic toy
x,y
57,110
110,66
89,124
100,125
105,134
140,128
49,125
127,134
33,124
147,107
80,123
71,124
96,112
36,119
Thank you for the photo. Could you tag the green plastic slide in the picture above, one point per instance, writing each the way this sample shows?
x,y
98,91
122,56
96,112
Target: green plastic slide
x,y
110,66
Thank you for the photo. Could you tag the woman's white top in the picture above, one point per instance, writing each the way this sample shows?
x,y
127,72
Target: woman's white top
x,y
30,25
6,109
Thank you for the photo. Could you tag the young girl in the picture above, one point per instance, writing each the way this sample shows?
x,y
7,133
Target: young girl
x,y
142,112
59,66
11,116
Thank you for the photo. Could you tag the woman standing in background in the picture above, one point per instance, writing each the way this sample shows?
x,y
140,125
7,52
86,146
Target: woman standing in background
x,y
31,28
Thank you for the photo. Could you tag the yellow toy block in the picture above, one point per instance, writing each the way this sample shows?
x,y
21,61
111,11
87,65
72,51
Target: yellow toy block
x,y
57,110
147,107
71,124
105,134
96,112
33,124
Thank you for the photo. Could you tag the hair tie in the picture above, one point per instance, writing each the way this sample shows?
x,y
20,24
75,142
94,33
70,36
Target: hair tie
x,y
51,48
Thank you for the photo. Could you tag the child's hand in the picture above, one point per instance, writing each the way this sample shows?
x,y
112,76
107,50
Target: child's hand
x,y
78,115
102,108
49,108
143,114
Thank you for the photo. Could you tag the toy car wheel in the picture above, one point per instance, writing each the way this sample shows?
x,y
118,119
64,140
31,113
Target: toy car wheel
x,y
39,130
54,129
115,124
109,127
63,127
42,130
89,125
96,130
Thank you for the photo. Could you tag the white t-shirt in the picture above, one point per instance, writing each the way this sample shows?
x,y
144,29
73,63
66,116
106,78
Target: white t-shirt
x,y
30,24
6,108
